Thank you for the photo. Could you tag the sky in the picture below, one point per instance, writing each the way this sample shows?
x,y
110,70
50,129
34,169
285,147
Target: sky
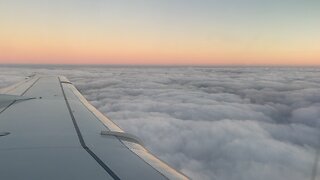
x,y
204,32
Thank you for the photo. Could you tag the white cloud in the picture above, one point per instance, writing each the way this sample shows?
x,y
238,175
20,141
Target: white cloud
x,y
210,123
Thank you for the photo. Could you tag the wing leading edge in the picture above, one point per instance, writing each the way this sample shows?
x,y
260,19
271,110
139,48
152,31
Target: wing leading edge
x,y
58,134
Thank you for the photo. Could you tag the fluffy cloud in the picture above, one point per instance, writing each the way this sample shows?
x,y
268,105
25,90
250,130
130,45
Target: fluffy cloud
x,y
210,123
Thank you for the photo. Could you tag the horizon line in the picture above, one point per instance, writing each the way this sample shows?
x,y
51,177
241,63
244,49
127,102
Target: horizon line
x,y
162,65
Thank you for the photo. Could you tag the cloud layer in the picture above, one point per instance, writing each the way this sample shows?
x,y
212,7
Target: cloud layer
x,y
211,123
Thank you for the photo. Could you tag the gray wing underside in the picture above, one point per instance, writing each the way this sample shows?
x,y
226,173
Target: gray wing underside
x,y
48,130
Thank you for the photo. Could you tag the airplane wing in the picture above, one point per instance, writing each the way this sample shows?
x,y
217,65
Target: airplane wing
x,y
48,130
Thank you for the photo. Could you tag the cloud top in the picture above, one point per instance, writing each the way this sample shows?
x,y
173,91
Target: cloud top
x,y
210,123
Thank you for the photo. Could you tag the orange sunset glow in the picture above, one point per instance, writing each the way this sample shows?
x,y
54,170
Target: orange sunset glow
x,y
94,32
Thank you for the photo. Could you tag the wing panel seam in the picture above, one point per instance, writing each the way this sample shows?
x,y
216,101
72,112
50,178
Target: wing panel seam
x,y
84,146
30,86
